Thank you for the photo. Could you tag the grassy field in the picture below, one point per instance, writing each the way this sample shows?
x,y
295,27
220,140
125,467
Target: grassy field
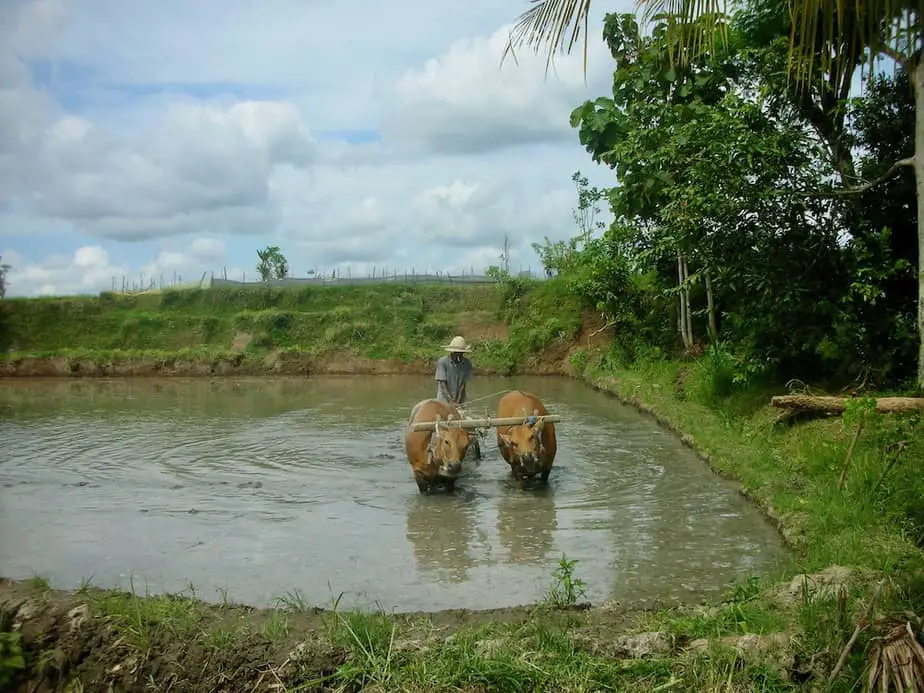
x,y
401,323
785,632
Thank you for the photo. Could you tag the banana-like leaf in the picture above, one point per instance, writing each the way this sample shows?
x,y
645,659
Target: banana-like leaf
x,y
821,31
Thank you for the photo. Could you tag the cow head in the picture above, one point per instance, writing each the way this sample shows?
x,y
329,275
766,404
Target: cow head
x,y
448,447
525,442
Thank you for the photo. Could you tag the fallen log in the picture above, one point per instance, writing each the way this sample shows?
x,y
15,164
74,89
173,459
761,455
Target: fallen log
x,y
838,405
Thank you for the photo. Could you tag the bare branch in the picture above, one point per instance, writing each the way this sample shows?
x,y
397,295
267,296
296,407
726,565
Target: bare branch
x,y
856,190
607,326
861,624
890,52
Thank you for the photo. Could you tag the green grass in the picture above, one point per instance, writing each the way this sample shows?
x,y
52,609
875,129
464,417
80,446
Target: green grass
x,y
552,650
792,470
403,322
874,524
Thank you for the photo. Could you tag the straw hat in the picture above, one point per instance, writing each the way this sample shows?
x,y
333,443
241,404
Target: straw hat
x,y
458,344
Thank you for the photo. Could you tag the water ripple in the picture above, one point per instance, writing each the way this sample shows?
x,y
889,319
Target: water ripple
x,y
264,486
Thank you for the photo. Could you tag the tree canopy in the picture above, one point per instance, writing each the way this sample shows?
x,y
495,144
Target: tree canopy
x,y
730,227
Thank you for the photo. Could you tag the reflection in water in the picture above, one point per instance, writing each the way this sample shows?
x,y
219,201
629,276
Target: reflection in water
x,y
440,528
265,485
526,520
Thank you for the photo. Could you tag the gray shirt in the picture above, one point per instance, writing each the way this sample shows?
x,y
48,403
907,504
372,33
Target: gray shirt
x,y
455,375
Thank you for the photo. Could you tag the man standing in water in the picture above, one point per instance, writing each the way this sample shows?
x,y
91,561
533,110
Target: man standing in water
x,y
452,375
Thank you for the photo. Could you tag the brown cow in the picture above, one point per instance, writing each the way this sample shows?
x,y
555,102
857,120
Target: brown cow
x,y
435,455
529,448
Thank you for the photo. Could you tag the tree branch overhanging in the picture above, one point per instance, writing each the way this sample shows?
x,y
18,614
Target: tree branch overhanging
x,y
897,56
858,189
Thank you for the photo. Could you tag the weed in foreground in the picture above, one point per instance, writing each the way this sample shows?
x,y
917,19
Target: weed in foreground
x,y
566,589
292,602
276,626
370,638
12,659
144,619
39,583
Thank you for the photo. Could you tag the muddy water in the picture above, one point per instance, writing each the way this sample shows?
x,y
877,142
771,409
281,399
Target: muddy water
x,y
262,487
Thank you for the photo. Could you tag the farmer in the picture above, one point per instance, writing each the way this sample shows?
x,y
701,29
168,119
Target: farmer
x,y
452,375
453,372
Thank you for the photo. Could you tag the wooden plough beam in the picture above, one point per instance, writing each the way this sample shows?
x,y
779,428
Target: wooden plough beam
x,y
484,423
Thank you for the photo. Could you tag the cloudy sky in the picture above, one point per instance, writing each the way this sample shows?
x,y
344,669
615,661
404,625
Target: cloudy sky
x,y
178,137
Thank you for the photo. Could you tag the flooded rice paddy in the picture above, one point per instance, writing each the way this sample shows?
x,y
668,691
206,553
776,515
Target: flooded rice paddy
x,y
264,486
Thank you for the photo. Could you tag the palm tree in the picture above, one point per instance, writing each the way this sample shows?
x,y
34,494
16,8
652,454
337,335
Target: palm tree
x,y
821,30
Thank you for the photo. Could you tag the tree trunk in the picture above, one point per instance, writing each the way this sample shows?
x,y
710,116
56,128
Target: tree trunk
x,y
837,405
710,303
686,297
684,305
917,79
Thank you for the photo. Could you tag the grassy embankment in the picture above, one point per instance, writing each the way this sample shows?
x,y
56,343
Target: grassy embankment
x,y
380,329
772,634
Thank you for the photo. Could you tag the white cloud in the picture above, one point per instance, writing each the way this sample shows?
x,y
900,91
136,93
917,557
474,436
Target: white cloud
x,y
88,270
462,101
178,140
208,248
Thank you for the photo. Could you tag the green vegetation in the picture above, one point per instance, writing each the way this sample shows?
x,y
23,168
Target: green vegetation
x,y
12,661
764,240
4,268
566,589
752,640
401,321
273,264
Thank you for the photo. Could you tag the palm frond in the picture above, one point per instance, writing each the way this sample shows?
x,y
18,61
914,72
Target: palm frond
x,y
546,24
694,25
825,30
699,23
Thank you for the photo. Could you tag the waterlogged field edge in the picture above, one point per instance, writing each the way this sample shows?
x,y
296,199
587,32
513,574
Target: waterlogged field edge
x,y
771,634
776,633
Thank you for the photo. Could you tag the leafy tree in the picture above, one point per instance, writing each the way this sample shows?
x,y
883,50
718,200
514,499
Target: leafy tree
x,y
824,35
879,311
501,272
697,166
273,264
557,256
4,268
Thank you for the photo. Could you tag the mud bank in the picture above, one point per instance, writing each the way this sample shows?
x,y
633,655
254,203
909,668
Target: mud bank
x,y
97,640
274,363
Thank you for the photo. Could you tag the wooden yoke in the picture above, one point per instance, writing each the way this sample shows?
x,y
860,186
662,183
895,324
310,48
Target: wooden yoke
x,y
486,422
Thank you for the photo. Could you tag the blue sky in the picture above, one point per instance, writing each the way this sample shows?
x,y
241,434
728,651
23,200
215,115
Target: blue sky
x,y
179,137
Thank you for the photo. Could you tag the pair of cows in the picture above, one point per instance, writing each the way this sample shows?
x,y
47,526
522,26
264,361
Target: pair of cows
x,y
436,455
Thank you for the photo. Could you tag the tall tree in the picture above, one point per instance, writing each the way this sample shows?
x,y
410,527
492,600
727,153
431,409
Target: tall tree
x,y
3,270
826,35
698,165
273,264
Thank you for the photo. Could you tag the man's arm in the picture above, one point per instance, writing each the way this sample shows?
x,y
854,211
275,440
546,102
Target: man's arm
x,y
444,388
460,396
442,380
463,386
